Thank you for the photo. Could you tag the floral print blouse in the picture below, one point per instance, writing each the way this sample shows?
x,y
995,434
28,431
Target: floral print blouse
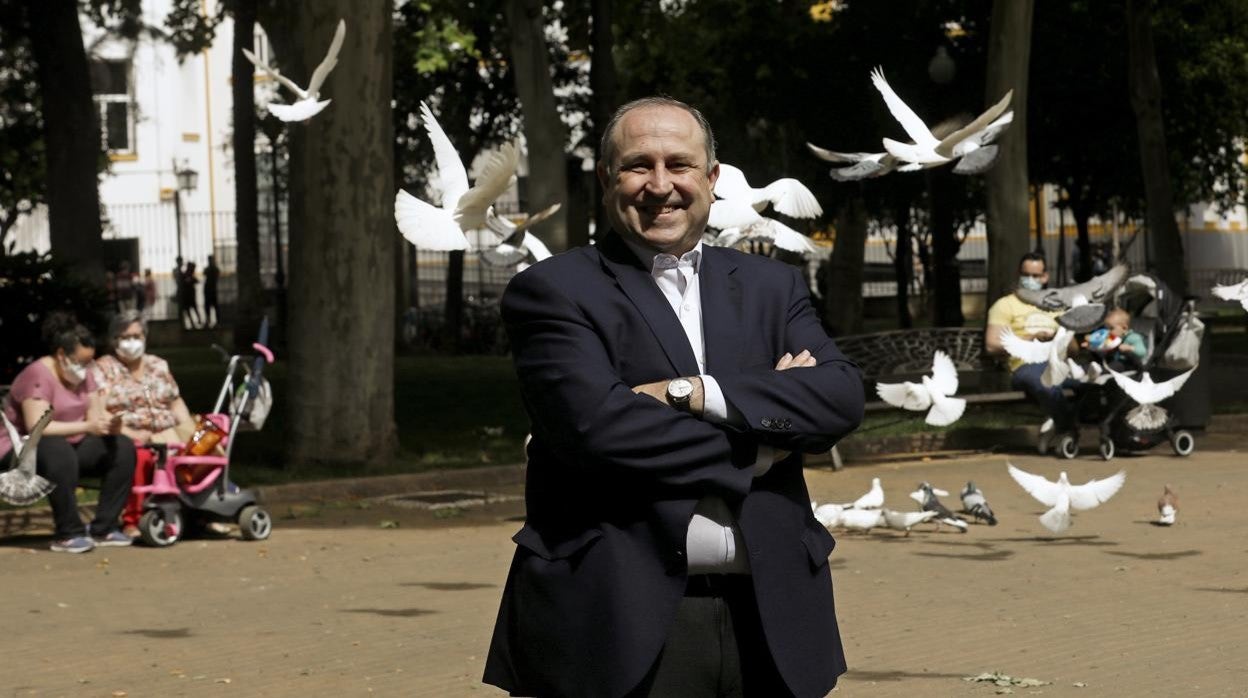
x,y
144,403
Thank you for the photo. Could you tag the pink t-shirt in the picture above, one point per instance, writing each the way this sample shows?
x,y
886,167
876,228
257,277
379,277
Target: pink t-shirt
x,y
39,381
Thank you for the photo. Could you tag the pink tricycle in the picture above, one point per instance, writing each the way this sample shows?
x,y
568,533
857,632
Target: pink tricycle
x,y
189,492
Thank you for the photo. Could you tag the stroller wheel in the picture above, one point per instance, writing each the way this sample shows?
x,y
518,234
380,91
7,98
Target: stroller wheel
x,y
1183,443
1068,446
255,523
1107,448
158,530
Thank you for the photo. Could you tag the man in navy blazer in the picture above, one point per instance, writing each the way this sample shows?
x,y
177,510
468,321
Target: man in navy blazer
x,y
669,547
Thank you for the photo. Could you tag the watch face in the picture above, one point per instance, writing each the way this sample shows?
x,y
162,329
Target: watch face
x,y
680,388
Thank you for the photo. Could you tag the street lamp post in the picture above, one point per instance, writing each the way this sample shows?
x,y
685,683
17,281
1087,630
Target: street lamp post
x,y
187,179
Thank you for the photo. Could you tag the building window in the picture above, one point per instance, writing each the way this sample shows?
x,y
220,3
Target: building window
x,y
110,83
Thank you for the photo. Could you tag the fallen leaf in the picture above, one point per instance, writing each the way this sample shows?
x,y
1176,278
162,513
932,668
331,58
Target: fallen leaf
x,y
388,523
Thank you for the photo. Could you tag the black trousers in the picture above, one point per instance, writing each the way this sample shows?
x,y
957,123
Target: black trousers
x,y
112,457
716,647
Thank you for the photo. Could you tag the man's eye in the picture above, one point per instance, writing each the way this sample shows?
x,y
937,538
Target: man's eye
x,y
639,168
680,167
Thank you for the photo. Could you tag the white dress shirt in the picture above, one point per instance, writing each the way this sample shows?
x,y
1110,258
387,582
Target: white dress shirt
x,y
713,543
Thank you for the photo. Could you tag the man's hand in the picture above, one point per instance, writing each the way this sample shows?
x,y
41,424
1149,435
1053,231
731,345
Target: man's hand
x,y
802,360
658,391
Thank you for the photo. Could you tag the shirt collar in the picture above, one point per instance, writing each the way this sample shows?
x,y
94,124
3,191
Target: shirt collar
x,y
657,261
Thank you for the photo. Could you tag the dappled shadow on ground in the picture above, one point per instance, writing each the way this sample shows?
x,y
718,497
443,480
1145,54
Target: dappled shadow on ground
x,y
160,634
989,556
1223,590
859,675
390,612
1176,555
448,586
1091,541
982,545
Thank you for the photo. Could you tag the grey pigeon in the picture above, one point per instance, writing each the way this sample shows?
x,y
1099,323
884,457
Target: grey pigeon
x,y
975,504
20,485
1096,291
931,503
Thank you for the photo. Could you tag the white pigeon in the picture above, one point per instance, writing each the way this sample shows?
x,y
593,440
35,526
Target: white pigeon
x,y
463,208
1035,351
976,504
1063,496
933,392
307,105
21,485
927,496
905,520
515,243
1167,507
1234,292
873,499
829,515
927,148
771,230
861,519
786,195
1147,414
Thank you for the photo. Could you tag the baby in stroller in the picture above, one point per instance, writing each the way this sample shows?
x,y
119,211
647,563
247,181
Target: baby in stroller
x,y
1116,344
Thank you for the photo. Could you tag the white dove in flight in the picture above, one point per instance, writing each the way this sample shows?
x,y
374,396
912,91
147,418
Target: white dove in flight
x,y
1063,496
786,195
873,499
1234,292
927,148
463,208
515,244
307,105
933,392
1147,414
21,485
1035,351
768,229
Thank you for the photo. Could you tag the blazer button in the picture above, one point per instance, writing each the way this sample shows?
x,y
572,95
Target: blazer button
x,y
787,424
766,422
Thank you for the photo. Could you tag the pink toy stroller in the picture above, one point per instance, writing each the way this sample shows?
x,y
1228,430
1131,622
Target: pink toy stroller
x,y
188,492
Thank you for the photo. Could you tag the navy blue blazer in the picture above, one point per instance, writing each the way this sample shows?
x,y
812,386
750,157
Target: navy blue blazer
x,y
613,477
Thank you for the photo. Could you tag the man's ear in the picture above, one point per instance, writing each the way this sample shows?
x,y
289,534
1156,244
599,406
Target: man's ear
x,y
601,169
712,174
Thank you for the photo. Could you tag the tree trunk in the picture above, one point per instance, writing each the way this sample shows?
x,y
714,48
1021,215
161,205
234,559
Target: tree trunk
x,y
1009,53
842,299
903,266
71,136
543,129
947,293
603,86
250,307
341,271
1082,213
1163,231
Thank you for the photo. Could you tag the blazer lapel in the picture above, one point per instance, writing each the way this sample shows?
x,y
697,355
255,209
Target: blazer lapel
x,y
721,310
639,286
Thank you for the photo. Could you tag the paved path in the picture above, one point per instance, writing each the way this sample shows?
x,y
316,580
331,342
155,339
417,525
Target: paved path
x,y
335,604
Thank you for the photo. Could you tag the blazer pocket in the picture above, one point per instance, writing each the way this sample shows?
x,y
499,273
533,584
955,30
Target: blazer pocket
x,y
819,544
549,548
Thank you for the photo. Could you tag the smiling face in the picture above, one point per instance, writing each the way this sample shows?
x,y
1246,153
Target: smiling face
x,y
657,185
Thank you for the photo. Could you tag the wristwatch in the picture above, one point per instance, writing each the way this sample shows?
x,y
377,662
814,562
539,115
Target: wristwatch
x,y
679,390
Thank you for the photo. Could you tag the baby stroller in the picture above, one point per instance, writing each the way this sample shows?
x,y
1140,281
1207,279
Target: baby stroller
x,y
1166,321
188,492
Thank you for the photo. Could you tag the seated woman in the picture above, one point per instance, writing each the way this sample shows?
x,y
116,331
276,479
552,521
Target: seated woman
x,y
82,436
139,389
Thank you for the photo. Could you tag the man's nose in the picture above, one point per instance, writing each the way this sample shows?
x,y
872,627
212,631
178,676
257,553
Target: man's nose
x,y
659,181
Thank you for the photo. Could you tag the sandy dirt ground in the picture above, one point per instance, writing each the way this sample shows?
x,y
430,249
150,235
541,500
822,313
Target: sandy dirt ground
x,y
358,598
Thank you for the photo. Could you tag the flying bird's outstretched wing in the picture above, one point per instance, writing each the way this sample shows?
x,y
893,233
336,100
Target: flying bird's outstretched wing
x,y
1096,492
494,178
452,179
1044,491
913,125
331,59
944,373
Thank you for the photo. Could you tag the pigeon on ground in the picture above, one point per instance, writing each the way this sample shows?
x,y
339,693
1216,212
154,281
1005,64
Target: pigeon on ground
x,y
975,504
829,515
873,499
905,520
1234,292
861,519
1063,496
932,393
21,485
920,495
931,503
1167,507
463,208
1097,290
307,106
927,148
1147,415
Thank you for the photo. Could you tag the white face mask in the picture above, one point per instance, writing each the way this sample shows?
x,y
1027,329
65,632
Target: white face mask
x,y
1030,283
130,348
73,373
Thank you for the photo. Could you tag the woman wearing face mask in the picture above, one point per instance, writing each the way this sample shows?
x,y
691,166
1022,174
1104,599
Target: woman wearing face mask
x,y
82,435
139,389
